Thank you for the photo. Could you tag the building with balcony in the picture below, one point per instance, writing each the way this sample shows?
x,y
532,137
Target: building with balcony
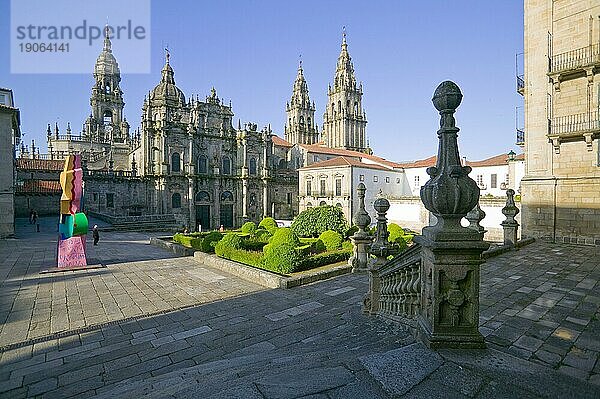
x,y
561,187
334,182
10,135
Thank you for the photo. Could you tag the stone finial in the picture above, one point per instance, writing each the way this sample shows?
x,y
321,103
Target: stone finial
x,y
380,246
475,216
450,193
361,218
510,210
510,225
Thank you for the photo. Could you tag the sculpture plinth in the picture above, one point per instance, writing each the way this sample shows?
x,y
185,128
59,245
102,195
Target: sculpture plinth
x,y
73,224
451,253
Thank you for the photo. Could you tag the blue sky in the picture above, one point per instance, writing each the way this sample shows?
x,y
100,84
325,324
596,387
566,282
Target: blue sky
x,y
249,51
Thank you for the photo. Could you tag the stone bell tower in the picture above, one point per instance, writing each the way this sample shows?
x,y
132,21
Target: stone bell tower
x,y
344,121
300,127
106,122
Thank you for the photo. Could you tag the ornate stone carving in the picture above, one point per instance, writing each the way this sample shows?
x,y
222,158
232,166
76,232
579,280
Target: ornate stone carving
x,y
475,216
361,239
451,254
510,225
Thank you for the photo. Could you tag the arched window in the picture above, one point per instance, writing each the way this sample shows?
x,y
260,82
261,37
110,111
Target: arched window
x,y
227,196
107,117
322,203
175,162
282,164
347,105
226,166
176,201
356,107
339,106
202,196
309,205
338,205
309,121
226,123
202,164
253,199
301,120
253,166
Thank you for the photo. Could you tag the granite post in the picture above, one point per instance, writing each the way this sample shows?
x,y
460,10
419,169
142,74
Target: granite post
x,y
475,216
451,253
510,225
381,248
361,239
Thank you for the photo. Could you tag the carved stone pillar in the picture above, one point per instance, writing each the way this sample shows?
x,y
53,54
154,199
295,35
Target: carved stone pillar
x,y
361,239
475,216
381,248
510,225
451,254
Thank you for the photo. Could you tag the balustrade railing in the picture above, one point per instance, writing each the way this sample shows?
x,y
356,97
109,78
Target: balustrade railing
x,y
575,59
400,293
575,123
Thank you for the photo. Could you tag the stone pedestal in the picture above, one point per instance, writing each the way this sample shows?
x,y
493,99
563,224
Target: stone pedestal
x,y
371,299
510,225
360,255
450,293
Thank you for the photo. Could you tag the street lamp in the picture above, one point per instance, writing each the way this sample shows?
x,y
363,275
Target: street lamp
x,y
511,155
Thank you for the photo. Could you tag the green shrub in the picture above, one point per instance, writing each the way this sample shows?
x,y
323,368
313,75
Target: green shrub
x,y
347,245
281,257
249,227
262,235
209,241
252,244
331,239
326,258
313,221
351,231
246,257
304,250
408,238
268,224
188,241
395,232
230,242
285,235
316,244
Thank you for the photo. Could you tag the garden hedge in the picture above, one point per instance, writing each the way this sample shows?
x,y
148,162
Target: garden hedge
x,y
314,221
331,239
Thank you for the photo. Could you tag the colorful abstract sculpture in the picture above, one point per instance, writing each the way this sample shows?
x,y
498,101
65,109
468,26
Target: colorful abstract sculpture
x,y
73,225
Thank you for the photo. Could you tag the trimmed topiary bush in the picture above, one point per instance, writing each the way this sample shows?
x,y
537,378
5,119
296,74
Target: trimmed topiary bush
x,y
351,231
229,242
280,253
209,241
262,235
249,227
395,232
314,221
331,239
268,224
323,259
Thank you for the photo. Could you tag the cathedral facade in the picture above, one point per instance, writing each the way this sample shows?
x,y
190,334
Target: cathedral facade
x,y
188,161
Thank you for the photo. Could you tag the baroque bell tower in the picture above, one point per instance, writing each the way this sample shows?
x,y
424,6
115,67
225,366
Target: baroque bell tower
x,y
344,121
300,127
106,122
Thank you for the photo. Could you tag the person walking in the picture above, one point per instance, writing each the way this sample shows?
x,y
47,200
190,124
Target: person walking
x,y
96,234
34,217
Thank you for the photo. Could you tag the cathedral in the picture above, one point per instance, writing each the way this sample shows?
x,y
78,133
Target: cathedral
x,y
188,160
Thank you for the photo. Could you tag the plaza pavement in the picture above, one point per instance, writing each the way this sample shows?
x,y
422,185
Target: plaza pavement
x,y
109,332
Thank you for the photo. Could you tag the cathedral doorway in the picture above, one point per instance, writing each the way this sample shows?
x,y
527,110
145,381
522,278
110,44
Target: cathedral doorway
x,y
227,215
203,216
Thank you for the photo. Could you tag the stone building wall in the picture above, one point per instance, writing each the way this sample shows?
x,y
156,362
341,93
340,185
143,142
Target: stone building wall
x,y
560,190
9,133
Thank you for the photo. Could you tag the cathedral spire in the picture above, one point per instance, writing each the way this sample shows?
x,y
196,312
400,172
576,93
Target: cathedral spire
x,y
107,43
300,127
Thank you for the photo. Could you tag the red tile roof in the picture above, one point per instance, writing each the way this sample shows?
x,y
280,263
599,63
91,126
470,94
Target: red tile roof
x,y
280,142
39,187
320,149
497,160
343,161
40,164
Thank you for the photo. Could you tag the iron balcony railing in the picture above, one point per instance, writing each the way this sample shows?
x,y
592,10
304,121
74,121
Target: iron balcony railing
x,y
520,137
577,123
575,59
520,84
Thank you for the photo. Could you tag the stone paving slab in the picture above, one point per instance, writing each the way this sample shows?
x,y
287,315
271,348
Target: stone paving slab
x,y
539,307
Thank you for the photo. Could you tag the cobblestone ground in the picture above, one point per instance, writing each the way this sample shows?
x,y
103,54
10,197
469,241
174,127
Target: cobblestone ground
x,y
233,339
542,303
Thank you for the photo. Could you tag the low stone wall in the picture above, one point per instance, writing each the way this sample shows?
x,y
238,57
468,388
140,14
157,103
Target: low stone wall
x,y
43,204
410,213
166,243
266,278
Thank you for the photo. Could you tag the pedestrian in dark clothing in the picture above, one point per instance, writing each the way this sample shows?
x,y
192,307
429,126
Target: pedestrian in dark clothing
x,y
34,218
96,234
31,216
